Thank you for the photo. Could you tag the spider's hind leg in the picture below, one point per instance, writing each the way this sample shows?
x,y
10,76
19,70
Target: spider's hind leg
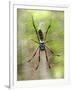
x,y
38,61
47,59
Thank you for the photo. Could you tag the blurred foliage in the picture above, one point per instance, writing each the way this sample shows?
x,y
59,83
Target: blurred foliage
x,y
26,32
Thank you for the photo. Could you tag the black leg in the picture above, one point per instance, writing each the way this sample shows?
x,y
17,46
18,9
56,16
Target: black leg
x,y
47,59
33,55
38,61
35,28
35,41
52,52
47,41
47,31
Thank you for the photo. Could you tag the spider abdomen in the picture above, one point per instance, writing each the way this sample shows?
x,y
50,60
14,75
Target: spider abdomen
x,y
42,46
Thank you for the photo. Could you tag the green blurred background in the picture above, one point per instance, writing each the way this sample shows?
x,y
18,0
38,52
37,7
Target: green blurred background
x,y
26,47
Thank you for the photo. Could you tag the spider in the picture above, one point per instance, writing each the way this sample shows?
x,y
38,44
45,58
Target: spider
x,y
42,44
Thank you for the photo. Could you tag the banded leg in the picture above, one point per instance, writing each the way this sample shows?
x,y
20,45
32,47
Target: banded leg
x,y
47,59
33,55
38,61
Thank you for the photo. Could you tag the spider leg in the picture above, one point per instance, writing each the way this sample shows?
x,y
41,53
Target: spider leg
x,y
38,61
33,55
47,59
47,31
52,51
35,41
47,41
35,28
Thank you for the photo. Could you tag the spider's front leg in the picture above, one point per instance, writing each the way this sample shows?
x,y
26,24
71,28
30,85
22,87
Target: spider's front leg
x,y
33,55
